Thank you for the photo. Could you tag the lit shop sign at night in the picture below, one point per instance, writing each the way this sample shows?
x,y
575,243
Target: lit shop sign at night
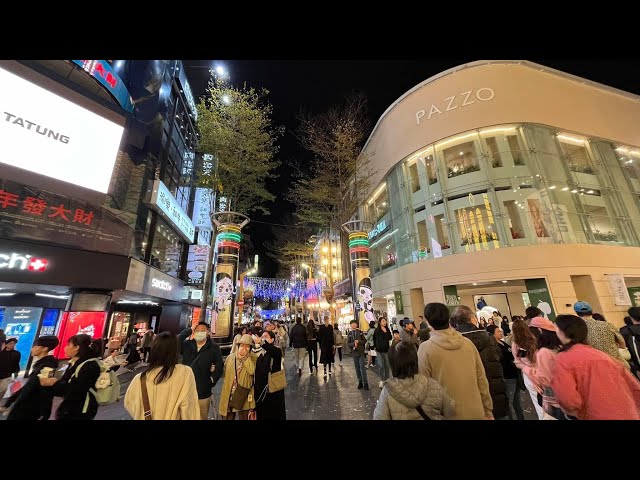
x,y
463,99
17,261
165,203
161,284
102,71
381,227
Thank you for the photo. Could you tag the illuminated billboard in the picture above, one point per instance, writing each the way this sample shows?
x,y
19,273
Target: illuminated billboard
x,y
44,133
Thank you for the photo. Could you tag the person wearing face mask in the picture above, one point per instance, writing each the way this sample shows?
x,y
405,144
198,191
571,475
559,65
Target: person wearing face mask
x,y
269,406
205,359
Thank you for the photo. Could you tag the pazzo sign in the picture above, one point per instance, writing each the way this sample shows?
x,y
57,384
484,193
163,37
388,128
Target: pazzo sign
x,y
461,100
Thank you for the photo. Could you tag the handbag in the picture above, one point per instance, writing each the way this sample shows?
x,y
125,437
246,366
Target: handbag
x,y
145,397
625,353
240,395
277,380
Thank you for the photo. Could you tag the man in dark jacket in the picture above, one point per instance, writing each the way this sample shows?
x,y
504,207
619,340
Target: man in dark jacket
x,y
205,359
9,364
33,401
489,352
631,335
327,345
298,340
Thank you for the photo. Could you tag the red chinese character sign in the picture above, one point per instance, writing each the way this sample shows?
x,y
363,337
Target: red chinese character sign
x,y
29,214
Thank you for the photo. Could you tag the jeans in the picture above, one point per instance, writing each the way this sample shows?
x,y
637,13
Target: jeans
x,y
312,348
384,366
300,357
513,392
360,370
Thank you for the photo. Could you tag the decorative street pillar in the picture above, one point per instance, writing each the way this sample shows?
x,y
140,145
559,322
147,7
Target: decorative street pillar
x,y
229,226
360,279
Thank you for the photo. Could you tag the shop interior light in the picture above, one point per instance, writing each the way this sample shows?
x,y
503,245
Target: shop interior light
x,y
496,130
565,189
138,302
4,294
456,139
504,281
48,295
552,187
579,141
378,192
574,191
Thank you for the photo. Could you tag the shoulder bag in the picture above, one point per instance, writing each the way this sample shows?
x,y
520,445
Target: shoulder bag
x,y
422,413
145,397
240,395
277,380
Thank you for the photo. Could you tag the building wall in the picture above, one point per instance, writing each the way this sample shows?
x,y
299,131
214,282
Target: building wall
x,y
555,263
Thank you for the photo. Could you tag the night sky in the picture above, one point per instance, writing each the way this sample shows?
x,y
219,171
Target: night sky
x,y
316,85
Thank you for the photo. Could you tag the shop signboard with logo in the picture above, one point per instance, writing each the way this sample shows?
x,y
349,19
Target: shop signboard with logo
x,y
398,301
164,203
22,262
540,297
46,134
21,323
102,71
149,281
197,263
31,214
619,289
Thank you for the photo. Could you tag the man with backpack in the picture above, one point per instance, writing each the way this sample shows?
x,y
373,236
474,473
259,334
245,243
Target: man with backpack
x,y
205,359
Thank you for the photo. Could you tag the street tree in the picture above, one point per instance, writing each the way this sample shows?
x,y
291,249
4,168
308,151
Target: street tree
x,y
235,125
338,180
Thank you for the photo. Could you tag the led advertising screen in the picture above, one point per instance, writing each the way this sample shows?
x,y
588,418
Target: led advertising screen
x,y
44,133
73,323
49,322
21,323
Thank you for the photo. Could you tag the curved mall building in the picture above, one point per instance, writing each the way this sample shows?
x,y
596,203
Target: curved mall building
x,y
511,181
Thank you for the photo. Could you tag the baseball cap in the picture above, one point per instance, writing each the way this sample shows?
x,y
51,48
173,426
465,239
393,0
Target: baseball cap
x,y
582,307
543,323
13,339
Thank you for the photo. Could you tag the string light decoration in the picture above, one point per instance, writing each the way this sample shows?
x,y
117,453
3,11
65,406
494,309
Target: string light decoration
x,y
277,288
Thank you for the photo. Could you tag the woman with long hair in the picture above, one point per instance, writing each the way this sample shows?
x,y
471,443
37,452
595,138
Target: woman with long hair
x,y
269,405
381,341
524,347
588,383
171,387
338,340
548,344
78,380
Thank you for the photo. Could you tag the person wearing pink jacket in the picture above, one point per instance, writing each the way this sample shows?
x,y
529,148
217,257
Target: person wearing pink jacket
x,y
588,383
524,347
541,373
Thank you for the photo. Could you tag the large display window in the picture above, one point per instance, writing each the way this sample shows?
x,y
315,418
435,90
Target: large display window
x,y
166,249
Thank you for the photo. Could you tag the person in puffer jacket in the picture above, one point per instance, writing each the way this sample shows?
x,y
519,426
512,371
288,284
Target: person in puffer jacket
x,y
408,392
487,347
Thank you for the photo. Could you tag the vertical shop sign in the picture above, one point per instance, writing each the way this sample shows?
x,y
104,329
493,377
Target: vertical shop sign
x,y
540,297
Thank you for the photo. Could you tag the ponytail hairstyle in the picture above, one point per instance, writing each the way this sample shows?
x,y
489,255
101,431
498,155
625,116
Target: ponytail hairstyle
x,y
86,347
574,328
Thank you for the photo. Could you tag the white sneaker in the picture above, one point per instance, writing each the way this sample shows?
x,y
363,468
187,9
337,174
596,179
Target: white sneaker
x,y
381,384
330,372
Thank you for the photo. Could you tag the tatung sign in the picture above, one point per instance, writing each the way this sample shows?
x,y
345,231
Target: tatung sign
x,y
44,133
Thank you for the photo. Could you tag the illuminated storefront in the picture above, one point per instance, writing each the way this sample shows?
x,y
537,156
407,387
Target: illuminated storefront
x,y
513,155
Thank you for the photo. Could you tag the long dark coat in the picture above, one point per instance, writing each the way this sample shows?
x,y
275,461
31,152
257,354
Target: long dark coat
x,y
269,406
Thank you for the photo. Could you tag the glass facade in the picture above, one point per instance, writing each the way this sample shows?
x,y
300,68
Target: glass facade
x,y
504,186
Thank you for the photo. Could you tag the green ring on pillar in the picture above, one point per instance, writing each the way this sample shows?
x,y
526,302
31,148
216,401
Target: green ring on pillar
x,y
353,243
234,237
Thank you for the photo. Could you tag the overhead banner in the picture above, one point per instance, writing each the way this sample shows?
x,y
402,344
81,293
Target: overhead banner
x,y
164,203
30,214
619,289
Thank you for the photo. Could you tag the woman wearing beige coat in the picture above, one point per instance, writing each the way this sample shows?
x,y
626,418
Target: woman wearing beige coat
x,y
239,369
171,387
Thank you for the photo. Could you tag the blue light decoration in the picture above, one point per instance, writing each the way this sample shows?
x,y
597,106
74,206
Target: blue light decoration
x,y
269,314
277,288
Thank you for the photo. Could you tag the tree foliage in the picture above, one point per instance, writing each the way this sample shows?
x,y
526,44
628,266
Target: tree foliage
x,y
339,177
290,247
235,126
